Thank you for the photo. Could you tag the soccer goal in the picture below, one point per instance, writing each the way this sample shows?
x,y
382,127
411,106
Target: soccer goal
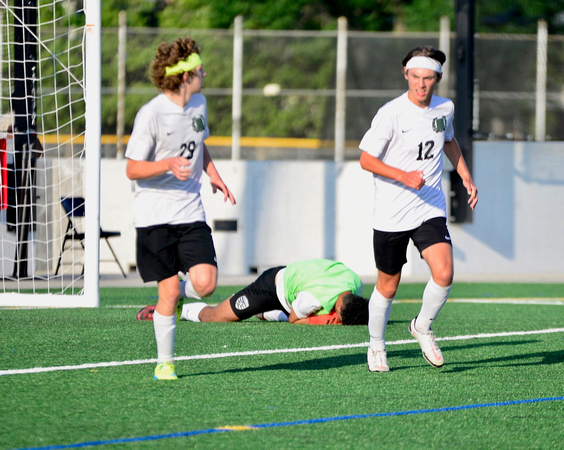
x,y
50,152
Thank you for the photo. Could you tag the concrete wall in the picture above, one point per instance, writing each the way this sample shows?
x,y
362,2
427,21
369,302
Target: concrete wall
x,y
287,211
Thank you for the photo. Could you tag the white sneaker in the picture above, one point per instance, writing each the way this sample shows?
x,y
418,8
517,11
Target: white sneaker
x,y
431,351
377,361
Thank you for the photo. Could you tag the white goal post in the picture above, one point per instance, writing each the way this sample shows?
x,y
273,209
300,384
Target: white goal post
x,y
50,133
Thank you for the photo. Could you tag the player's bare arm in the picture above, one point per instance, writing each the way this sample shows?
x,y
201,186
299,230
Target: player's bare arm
x,y
140,170
413,179
454,154
316,319
293,318
215,179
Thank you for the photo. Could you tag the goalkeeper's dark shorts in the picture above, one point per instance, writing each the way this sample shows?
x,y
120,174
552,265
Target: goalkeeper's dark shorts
x,y
258,297
165,250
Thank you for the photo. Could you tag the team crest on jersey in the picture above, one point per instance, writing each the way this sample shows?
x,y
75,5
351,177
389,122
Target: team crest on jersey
x,y
439,124
242,303
199,124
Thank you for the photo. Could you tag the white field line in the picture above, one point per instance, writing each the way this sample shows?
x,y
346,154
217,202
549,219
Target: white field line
x,y
509,301
512,301
267,352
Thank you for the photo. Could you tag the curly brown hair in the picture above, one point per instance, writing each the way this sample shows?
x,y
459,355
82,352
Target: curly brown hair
x,y
168,54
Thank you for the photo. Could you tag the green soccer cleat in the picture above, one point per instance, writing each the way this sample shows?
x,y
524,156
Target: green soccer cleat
x,y
165,371
179,309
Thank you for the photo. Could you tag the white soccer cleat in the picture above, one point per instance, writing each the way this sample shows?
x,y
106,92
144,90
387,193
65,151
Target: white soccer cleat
x,y
431,351
377,360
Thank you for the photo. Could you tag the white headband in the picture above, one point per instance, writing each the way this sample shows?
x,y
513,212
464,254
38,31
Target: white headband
x,y
424,62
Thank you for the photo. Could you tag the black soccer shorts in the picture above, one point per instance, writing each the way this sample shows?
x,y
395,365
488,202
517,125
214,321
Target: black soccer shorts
x,y
165,250
258,297
390,248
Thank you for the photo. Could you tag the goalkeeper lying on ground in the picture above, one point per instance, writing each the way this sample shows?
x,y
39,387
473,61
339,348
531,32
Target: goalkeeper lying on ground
x,y
316,292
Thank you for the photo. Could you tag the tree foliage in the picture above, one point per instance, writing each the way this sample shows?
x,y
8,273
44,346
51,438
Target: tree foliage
x,y
293,115
363,15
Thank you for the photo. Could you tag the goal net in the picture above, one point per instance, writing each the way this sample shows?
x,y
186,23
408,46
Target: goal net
x,y
50,152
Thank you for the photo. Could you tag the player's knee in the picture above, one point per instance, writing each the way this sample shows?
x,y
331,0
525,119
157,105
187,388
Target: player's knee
x,y
206,291
388,291
444,277
203,279
204,286
387,284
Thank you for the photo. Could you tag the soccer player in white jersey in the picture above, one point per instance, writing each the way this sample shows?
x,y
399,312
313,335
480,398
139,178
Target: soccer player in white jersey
x,y
166,158
403,149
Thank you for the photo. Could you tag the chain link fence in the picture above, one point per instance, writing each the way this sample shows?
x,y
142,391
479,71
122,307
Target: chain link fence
x,y
289,80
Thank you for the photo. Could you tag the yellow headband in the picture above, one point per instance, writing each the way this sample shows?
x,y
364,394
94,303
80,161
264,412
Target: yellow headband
x,y
187,65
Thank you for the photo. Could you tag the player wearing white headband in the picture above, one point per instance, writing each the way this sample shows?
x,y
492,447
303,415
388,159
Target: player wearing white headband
x,y
403,149
166,159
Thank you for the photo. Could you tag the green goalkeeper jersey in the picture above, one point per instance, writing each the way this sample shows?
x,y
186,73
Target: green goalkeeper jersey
x,y
322,278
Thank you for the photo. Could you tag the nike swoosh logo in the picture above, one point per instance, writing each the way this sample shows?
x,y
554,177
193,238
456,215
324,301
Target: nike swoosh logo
x,y
405,131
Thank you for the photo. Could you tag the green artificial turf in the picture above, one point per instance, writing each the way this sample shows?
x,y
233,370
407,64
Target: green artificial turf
x,y
329,392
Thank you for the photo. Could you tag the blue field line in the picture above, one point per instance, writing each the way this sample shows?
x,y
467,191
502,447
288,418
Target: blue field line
x,y
289,424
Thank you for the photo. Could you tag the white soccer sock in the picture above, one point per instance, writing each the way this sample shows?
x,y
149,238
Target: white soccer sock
x,y
187,290
379,309
165,333
191,311
276,315
434,298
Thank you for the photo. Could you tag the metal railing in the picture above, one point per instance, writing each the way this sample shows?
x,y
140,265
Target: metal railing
x,y
331,83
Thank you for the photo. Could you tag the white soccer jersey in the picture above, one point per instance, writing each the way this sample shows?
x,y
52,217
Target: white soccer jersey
x,y
409,137
303,305
163,129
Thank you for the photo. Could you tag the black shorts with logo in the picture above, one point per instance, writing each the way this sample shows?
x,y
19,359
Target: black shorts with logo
x,y
165,250
390,248
258,297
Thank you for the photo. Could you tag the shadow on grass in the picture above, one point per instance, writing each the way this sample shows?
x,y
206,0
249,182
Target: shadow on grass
x,y
508,360
515,360
331,362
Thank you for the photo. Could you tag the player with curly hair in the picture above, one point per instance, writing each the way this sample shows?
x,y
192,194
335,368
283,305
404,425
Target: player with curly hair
x,y
166,157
